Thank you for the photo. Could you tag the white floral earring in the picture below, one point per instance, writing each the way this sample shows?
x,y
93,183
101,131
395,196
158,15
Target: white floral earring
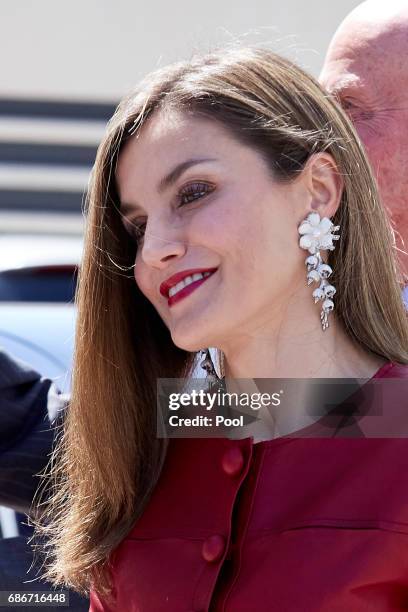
x,y
318,234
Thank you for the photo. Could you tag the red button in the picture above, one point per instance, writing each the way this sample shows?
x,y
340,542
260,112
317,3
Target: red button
x,y
233,461
213,548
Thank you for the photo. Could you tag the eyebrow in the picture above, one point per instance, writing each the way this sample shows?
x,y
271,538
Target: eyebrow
x,y
169,179
345,83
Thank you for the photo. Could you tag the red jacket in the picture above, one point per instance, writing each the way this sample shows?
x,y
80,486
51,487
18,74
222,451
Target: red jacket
x,y
318,524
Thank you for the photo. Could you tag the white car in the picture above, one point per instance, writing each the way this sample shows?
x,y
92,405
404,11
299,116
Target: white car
x,y
37,313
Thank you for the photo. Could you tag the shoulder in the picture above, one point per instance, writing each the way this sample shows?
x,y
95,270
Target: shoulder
x,y
26,399
392,369
384,410
14,372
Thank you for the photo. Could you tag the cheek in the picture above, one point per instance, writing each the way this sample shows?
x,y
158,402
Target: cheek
x,y
150,290
265,245
387,156
141,277
396,155
211,232
370,141
385,148
279,257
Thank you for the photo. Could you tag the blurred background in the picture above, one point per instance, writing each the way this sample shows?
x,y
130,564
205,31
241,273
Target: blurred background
x,y
64,67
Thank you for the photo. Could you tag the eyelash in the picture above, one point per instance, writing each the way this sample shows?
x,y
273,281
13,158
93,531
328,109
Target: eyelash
x,y
137,231
346,103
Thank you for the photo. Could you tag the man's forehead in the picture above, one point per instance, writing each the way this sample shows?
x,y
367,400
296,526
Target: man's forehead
x,y
342,70
370,43
355,59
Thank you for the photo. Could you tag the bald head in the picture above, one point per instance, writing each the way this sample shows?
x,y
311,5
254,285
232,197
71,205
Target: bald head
x,y
366,68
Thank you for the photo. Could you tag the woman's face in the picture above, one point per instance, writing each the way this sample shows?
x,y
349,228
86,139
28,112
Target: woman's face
x,y
220,211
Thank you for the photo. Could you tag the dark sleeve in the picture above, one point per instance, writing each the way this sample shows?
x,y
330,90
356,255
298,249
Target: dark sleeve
x,y
30,408
19,572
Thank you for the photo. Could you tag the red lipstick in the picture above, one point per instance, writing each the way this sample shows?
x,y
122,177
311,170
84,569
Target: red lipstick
x,y
179,276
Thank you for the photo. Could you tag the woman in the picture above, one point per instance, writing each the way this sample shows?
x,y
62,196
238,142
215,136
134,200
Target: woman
x,y
234,167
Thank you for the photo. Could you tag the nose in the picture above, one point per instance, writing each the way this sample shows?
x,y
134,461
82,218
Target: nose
x,y
159,247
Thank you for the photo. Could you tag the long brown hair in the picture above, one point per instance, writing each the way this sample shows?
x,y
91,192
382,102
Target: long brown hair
x,y
108,458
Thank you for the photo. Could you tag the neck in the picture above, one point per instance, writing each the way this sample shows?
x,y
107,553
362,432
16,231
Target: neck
x,y
292,344
298,350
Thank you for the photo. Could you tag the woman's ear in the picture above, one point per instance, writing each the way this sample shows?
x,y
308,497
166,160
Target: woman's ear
x,y
324,184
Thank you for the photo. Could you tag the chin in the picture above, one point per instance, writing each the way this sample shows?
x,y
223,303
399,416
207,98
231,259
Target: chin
x,y
191,345
191,342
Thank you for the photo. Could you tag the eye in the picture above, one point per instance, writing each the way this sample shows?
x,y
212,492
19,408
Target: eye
x,y
347,104
194,191
136,230
190,193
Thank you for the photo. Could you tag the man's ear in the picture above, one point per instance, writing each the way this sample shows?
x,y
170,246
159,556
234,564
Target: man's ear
x,y
324,183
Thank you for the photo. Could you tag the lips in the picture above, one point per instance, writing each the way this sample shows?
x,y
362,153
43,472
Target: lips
x,y
176,278
185,291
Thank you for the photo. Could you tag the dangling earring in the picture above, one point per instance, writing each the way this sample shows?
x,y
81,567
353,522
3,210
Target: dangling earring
x,y
219,364
215,371
318,234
